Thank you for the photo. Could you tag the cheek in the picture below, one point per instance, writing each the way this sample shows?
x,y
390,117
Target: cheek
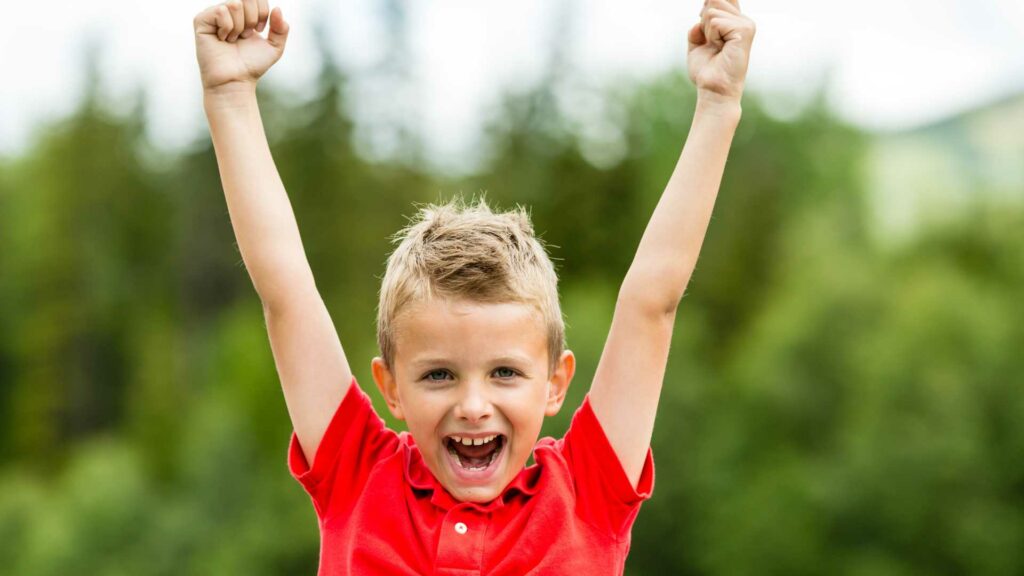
x,y
423,412
526,409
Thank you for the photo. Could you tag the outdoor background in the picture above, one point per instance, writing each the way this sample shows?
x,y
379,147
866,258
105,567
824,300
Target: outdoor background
x,y
845,393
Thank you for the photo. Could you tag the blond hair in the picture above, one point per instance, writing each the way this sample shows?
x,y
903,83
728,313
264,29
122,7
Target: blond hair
x,y
465,250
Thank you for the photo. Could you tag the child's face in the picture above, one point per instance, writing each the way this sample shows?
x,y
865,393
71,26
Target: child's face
x,y
472,371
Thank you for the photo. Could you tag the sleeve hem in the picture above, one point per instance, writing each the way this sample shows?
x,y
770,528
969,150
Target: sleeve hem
x,y
621,488
328,449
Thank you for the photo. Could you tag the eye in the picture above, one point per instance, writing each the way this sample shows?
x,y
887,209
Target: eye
x,y
435,375
505,372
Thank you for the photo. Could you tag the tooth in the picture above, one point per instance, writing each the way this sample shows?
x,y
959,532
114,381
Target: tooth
x,y
456,439
488,439
478,441
467,441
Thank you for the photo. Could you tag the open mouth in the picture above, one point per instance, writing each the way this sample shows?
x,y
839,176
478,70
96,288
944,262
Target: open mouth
x,y
475,453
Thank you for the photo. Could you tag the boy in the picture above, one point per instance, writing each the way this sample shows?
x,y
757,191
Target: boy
x,y
471,339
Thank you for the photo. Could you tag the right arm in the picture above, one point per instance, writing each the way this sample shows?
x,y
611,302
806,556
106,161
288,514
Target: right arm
x,y
310,361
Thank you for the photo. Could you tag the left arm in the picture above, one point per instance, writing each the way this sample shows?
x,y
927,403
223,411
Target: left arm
x,y
628,381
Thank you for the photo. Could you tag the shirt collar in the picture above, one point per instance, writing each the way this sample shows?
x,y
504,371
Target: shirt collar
x,y
420,478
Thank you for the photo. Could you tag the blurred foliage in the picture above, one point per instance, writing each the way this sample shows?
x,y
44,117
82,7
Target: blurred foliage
x,y
834,404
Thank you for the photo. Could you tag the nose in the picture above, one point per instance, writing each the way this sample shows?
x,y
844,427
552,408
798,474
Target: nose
x,y
474,405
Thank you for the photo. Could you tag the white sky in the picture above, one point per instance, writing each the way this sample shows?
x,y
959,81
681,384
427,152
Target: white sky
x,y
891,64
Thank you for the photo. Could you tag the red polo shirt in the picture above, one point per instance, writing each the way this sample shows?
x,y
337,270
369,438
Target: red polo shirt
x,y
381,511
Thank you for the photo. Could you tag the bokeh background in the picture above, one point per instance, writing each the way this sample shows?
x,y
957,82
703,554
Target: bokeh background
x,y
845,393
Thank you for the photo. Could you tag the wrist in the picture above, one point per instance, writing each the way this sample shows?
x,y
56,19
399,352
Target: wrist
x,y
230,95
725,107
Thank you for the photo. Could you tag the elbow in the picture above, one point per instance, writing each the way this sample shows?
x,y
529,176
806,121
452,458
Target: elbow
x,y
269,307
653,298
656,286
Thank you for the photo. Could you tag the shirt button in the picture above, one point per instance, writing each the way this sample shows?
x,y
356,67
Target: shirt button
x,y
461,528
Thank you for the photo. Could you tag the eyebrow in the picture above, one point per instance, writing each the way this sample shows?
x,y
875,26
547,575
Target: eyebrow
x,y
429,361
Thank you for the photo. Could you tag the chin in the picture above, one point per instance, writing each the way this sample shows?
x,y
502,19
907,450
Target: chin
x,y
476,494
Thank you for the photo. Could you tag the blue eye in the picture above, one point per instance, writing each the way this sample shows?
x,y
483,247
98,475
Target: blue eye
x,y
431,375
504,372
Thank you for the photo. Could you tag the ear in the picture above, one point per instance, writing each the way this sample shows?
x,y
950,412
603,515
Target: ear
x,y
559,382
388,386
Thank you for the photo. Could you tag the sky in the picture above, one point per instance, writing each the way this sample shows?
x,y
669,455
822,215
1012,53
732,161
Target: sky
x,y
885,65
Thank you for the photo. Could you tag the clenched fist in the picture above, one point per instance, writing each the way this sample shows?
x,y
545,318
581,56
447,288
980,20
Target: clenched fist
x,y
719,49
229,46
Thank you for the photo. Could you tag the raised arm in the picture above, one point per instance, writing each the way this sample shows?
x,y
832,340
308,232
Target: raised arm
x,y
311,364
628,381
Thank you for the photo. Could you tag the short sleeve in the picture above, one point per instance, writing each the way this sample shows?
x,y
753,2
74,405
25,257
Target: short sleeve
x,y
355,439
604,495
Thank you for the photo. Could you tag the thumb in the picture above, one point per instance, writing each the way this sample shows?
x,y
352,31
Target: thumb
x,y
278,34
696,36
